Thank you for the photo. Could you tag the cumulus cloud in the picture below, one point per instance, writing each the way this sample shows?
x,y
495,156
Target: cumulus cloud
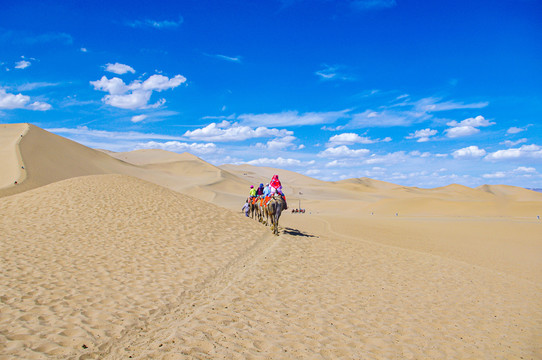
x,y
137,94
39,106
292,118
177,146
422,135
23,64
343,151
161,82
119,69
470,152
524,152
466,127
478,121
279,143
20,101
226,131
353,138
461,131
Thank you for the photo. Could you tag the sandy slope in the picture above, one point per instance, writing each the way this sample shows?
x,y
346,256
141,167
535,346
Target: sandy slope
x,y
12,163
103,256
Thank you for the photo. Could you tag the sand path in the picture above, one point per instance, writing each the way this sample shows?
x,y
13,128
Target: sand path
x,y
319,297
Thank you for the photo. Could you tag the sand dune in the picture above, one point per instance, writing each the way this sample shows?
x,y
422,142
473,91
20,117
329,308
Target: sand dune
x,y
127,255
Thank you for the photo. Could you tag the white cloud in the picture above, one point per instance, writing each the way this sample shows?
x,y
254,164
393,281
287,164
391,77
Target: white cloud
x,y
292,118
431,104
279,143
353,138
119,69
420,154
23,64
524,169
387,118
422,135
136,100
235,59
83,132
84,50
515,130
331,73
279,162
138,118
39,106
478,121
161,82
20,101
343,151
470,152
521,172
461,131
114,86
34,85
312,172
136,95
525,151
177,146
339,163
391,158
12,101
496,175
226,131
510,143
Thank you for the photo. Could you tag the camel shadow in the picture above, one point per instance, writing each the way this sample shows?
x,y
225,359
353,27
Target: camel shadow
x,y
296,232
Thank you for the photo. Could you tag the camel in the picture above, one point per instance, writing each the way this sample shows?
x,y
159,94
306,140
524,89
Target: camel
x,y
274,208
254,210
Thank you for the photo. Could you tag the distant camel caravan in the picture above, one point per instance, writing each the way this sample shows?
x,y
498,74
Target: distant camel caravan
x,y
271,211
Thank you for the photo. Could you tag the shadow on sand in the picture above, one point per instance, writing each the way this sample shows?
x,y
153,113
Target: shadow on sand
x,y
295,232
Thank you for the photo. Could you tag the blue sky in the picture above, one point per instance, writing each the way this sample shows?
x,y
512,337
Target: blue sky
x,y
419,93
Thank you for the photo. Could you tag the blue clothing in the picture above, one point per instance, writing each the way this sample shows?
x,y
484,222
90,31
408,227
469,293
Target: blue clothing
x,y
266,191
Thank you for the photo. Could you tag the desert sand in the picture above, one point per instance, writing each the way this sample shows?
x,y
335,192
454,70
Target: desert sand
x,y
146,255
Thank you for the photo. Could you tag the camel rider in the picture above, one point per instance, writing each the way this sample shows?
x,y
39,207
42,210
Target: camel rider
x,y
252,192
266,190
259,191
276,187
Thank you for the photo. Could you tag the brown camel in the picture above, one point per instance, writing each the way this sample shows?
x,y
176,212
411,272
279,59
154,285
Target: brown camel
x,y
274,208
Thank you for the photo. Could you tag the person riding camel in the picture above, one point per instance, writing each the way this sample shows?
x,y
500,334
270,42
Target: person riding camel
x,y
252,192
276,187
259,191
